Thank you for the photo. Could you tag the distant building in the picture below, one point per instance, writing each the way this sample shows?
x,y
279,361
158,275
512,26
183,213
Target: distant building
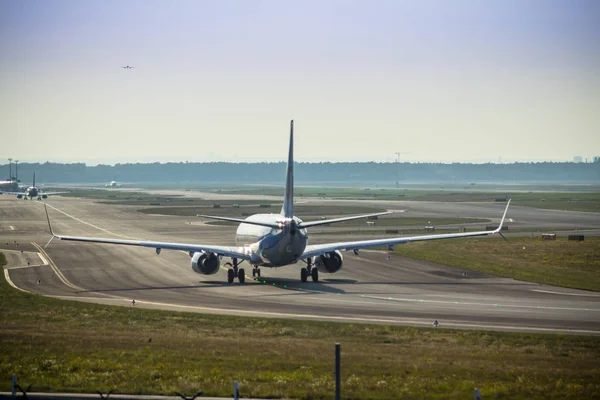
x,y
577,159
597,159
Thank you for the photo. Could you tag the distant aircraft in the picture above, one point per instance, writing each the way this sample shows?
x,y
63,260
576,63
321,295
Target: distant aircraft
x,y
127,67
113,184
276,240
10,185
33,191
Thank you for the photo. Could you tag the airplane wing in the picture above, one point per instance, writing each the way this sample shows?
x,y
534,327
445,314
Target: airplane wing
x,y
319,249
228,251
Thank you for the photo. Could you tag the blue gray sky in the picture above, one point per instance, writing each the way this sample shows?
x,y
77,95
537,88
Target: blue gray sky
x,y
447,81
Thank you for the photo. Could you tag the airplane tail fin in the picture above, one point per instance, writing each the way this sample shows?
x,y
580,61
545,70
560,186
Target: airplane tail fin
x,y
33,179
287,210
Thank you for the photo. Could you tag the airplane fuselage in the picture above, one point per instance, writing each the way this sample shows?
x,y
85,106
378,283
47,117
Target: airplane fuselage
x,y
272,247
32,191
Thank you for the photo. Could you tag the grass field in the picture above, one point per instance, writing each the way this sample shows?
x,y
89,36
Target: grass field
x,y
560,262
572,201
70,346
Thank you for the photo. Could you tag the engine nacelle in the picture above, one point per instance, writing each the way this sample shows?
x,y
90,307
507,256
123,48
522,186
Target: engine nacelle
x,y
44,196
205,263
329,262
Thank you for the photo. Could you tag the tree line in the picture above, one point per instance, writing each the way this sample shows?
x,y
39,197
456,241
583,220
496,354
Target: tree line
x,y
305,172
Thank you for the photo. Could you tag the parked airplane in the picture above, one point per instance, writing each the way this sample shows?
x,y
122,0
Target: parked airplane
x,y
33,191
276,240
113,184
10,185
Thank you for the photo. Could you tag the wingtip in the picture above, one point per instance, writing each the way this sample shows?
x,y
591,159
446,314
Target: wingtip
x,y
48,218
503,217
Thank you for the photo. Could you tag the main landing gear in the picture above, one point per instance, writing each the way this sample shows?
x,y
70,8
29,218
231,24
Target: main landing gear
x,y
256,271
234,272
309,270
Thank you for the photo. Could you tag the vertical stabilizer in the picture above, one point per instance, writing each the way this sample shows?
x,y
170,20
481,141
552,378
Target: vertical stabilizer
x,y
288,201
33,179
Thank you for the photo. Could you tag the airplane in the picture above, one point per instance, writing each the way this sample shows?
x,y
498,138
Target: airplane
x,y
276,240
112,184
10,185
127,67
33,191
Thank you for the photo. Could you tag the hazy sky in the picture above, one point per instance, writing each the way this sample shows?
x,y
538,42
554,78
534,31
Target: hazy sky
x,y
447,80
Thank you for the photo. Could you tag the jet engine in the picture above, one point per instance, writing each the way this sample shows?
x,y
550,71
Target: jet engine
x,y
44,196
205,263
329,262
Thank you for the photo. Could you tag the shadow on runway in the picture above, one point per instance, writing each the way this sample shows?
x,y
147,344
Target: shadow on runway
x,y
321,287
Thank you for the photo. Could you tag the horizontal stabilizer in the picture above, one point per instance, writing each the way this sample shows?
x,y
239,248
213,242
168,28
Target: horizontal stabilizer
x,y
342,219
243,221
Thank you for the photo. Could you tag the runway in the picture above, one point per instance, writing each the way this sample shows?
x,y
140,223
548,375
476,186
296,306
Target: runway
x,y
369,289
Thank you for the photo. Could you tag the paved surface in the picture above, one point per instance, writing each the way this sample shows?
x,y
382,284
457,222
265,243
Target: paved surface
x,y
370,288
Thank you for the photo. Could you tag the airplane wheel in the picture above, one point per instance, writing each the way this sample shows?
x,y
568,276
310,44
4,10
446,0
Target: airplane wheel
x,y
258,272
314,273
303,274
242,275
230,275
253,272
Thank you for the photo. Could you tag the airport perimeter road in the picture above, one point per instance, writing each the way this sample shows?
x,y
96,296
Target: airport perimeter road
x,y
369,289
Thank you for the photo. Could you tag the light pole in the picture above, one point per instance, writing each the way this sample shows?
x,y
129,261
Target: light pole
x,y
10,169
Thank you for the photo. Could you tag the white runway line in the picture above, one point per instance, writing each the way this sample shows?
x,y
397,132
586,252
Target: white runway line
x,y
426,322
59,274
12,228
566,294
7,277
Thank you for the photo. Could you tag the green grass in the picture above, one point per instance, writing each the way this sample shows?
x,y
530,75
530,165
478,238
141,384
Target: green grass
x,y
572,201
561,262
67,346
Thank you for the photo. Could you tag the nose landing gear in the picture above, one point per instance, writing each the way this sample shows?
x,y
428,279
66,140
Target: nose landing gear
x,y
256,271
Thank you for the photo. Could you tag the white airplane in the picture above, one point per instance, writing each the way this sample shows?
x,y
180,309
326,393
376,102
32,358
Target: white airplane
x,y
112,184
127,67
33,191
276,240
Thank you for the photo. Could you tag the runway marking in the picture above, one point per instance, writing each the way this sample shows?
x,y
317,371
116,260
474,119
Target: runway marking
x,y
566,294
12,228
62,278
89,224
10,282
26,266
339,318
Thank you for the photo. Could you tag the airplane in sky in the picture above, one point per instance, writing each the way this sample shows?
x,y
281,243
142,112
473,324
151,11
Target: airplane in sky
x,y
276,240
127,67
113,184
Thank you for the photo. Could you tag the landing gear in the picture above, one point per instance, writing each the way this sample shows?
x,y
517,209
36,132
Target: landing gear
x,y
314,273
256,271
234,272
309,270
303,274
